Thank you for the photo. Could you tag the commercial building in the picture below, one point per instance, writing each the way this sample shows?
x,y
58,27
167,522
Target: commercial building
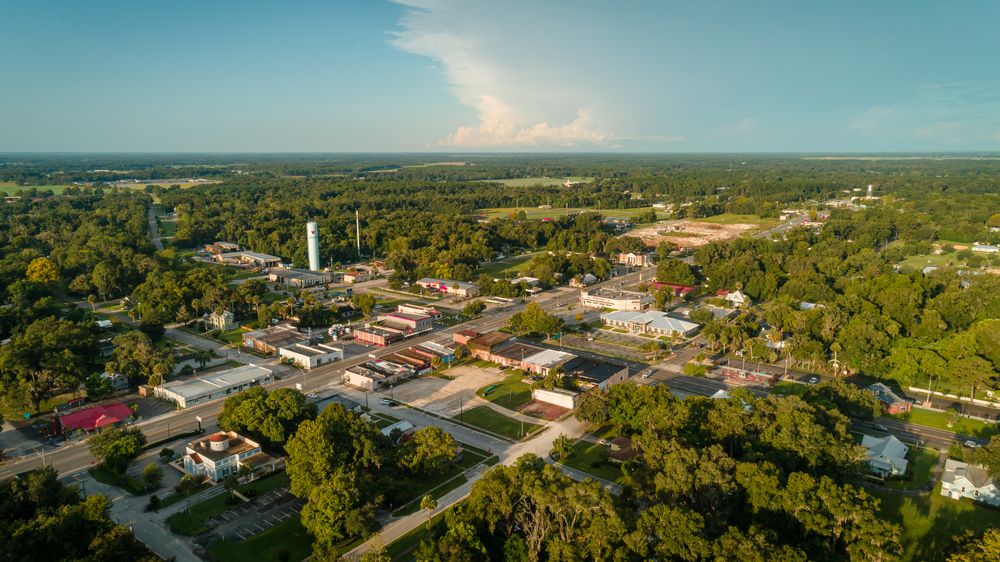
x,y
271,339
373,334
449,286
356,276
222,454
222,321
299,278
462,337
591,372
408,323
653,322
201,389
419,310
615,299
94,418
891,402
248,259
377,374
677,290
633,259
222,248
886,455
961,480
556,396
581,281
985,248
309,357
743,375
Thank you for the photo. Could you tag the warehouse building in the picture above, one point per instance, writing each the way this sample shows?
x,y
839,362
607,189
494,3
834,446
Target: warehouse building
x,y
201,389
309,357
449,286
271,339
248,259
299,278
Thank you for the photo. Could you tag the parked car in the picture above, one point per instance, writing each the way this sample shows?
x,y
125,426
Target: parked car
x,y
812,380
387,402
972,444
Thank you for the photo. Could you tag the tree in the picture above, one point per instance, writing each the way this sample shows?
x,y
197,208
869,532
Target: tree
x,y
92,300
593,406
135,357
116,447
98,387
430,450
672,270
166,454
562,446
41,271
988,456
473,309
272,416
428,504
984,548
335,511
203,356
848,399
365,303
152,475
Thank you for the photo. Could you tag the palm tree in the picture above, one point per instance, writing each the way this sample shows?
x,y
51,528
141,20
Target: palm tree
x,y
291,307
196,305
429,504
203,357
256,304
92,299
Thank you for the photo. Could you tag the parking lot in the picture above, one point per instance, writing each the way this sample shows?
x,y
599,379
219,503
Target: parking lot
x,y
446,397
245,521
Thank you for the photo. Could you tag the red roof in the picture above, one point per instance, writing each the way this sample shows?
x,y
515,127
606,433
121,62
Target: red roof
x,y
678,289
195,458
95,417
219,437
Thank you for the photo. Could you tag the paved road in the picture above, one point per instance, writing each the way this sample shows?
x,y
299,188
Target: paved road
x,y
154,229
782,228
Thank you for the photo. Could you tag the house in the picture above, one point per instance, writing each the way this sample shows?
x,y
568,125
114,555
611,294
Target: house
x,y
248,259
309,357
193,391
356,276
104,324
886,455
449,286
117,381
736,298
94,418
556,396
592,372
223,454
299,278
271,339
892,403
615,299
633,259
581,281
404,428
222,321
652,322
985,248
961,480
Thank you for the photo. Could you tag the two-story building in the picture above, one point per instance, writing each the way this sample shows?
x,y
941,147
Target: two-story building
x,y
222,454
961,480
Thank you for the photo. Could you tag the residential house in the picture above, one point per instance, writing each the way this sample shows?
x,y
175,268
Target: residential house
x,y
117,381
736,298
222,321
961,480
892,403
581,281
886,455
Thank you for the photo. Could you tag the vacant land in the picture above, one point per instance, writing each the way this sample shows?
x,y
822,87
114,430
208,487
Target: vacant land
x,y
694,233
447,396
511,393
513,266
485,418
929,522
534,213
939,420
732,218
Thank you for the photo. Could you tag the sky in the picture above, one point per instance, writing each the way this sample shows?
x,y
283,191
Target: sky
x,y
456,76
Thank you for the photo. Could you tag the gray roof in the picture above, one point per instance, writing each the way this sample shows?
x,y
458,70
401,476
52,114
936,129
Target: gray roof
x,y
207,384
652,318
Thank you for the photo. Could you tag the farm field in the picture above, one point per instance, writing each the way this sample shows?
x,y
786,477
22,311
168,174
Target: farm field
x,y
534,213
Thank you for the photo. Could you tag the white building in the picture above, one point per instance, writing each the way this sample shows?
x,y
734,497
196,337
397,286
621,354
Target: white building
x,y
223,321
193,391
961,480
886,455
652,322
557,396
615,299
222,454
311,356
299,278
248,259
449,286
736,298
985,248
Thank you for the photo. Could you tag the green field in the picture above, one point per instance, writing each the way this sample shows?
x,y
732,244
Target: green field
x,y
534,213
287,540
921,465
920,261
485,418
542,181
10,188
512,393
939,420
516,266
592,458
787,388
731,218
929,522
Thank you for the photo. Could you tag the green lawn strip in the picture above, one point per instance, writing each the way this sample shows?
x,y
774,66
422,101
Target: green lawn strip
x,y
129,484
174,497
605,432
422,484
232,336
511,393
470,459
929,522
266,484
382,423
476,450
485,418
788,388
192,521
402,548
435,493
592,458
287,540
731,218
939,420
921,465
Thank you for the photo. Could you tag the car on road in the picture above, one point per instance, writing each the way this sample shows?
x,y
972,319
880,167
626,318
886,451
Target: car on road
x,y
387,402
880,427
972,444
812,380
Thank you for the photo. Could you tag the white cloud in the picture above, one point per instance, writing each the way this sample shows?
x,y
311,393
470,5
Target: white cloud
x,y
516,106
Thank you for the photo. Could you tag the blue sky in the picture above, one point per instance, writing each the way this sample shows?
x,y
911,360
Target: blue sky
x,y
453,75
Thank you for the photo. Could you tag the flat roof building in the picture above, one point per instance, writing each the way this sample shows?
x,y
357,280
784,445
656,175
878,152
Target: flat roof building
x,y
300,278
652,322
223,453
450,286
248,259
591,372
189,392
309,357
615,299
273,338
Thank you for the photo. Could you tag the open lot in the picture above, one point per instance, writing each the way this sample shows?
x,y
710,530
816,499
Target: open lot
x,y
447,397
694,233
534,213
484,417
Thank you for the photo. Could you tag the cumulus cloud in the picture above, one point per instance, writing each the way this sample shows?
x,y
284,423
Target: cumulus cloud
x,y
516,106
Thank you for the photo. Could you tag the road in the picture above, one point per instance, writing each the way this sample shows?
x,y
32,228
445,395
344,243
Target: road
x,y
782,228
154,229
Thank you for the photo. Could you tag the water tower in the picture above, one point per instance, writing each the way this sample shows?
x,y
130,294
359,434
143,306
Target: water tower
x,y
312,240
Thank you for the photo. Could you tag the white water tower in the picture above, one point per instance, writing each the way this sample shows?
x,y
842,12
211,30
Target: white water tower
x,y
312,240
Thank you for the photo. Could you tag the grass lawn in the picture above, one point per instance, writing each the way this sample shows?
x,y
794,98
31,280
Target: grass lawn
x,y
47,405
515,265
592,459
787,388
534,213
233,336
192,521
174,497
939,420
512,393
922,462
919,261
10,188
605,432
414,505
266,484
131,485
287,540
403,547
485,418
271,298
929,522
731,218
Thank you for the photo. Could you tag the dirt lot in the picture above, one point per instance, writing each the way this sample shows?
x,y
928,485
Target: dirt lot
x,y
543,410
689,234
446,397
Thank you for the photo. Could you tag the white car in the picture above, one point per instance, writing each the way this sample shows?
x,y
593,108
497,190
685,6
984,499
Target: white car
x,y
972,444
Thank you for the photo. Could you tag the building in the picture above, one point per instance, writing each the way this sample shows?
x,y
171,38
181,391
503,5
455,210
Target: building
x,y
743,375
985,248
581,281
617,224
892,403
374,334
222,321
104,324
886,455
677,290
544,361
404,430
299,278
193,391
408,323
462,337
592,372
961,480
556,396
323,401
377,374
271,339
419,310
309,357
449,286
653,322
223,454
615,299
117,381
222,248
248,259
356,276
94,418
736,298
633,259
312,245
